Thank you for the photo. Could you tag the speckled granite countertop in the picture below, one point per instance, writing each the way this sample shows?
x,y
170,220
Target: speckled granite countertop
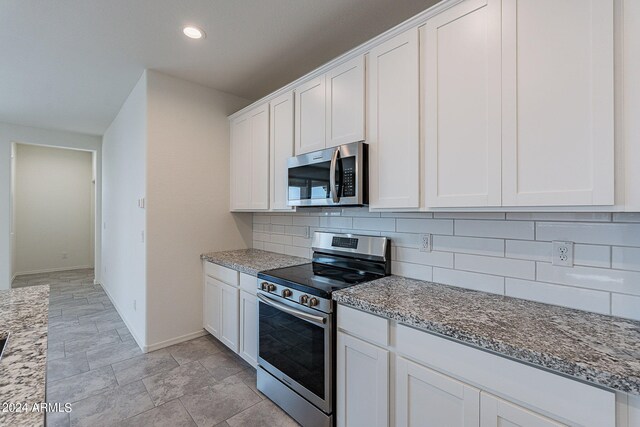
x,y
24,316
599,349
251,261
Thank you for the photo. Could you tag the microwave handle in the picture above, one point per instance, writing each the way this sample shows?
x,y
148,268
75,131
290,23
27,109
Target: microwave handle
x,y
332,175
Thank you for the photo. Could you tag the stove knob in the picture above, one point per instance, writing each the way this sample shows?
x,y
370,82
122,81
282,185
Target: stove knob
x,y
304,299
271,287
264,286
313,302
287,293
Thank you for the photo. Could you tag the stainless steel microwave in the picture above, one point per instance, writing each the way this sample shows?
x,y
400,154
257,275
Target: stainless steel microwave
x,y
333,177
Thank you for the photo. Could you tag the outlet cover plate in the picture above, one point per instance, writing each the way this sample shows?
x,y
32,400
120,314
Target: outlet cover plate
x,y
562,254
425,242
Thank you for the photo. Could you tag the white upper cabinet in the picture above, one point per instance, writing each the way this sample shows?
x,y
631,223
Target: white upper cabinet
x,y
310,116
250,160
330,108
393,122
281,114
557,102
462,118
345,103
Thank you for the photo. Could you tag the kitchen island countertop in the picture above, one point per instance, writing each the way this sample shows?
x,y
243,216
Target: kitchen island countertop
x,y
24,321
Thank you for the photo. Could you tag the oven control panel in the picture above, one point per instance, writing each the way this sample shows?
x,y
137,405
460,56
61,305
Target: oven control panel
x,y
279,293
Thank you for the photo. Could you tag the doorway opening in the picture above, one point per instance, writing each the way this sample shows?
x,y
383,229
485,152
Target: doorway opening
x,y
53,211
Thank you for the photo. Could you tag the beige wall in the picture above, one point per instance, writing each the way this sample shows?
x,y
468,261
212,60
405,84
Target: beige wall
x,y
124,180
53,209
187,201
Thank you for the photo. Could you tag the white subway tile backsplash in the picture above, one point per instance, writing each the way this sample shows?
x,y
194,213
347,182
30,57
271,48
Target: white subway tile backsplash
x,y
469,215
493,252
604,279
581,299
527,249
625,258
433,226
523,230
498,266
439,259
593,233
469,245
282,219
297,251
625,306
560,216
465,279
592,255
377,224
412,271
336,222
312,221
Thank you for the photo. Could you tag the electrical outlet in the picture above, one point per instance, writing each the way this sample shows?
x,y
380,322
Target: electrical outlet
x,y
563,254
425,243
135,303
65,255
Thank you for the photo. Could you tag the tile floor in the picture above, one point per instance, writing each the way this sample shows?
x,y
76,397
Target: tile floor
x,y
94,363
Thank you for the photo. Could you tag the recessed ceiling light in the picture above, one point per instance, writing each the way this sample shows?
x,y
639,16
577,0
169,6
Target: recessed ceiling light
x,y
193,32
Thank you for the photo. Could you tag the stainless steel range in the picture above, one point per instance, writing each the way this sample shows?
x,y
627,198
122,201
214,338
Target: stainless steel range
x,y
297,327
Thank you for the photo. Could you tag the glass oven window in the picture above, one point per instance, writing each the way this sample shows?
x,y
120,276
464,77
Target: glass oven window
x,y
294,347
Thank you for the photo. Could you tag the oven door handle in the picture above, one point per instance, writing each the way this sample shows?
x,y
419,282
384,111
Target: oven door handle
x,y
332,175
318,320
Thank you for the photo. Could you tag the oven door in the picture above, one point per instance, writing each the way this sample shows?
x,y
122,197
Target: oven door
x,y
336,176
295,345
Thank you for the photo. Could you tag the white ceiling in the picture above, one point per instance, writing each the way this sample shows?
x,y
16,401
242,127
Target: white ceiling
x,y
70,64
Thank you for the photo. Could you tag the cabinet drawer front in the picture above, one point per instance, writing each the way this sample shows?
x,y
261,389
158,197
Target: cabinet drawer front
x,y
372,328
221,273
518,382
248,283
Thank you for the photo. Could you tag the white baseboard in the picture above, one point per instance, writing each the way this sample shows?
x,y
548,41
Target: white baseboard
x,y
126,322
172,341
52,270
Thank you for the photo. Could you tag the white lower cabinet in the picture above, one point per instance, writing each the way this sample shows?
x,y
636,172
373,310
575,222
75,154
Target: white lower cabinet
x,y
249,327
229,327
426,398
362,383
212,298
230,310
438,382
498,413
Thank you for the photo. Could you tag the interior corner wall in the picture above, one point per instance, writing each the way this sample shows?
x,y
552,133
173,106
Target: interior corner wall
x,y
124,182
53,209
10,134
187,201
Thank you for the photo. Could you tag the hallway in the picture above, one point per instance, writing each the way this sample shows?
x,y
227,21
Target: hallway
x,y
94,364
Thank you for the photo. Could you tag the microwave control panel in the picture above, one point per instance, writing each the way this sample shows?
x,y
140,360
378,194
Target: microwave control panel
x,y
349,177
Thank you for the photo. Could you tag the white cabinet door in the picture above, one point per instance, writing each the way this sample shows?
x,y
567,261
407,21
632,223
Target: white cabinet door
x,y
259,158
249,328
557,102
241,163
362,383
462,105
310,116
212,305
281,129
393,122
427,398
229,320
496,412
345,103
250,160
